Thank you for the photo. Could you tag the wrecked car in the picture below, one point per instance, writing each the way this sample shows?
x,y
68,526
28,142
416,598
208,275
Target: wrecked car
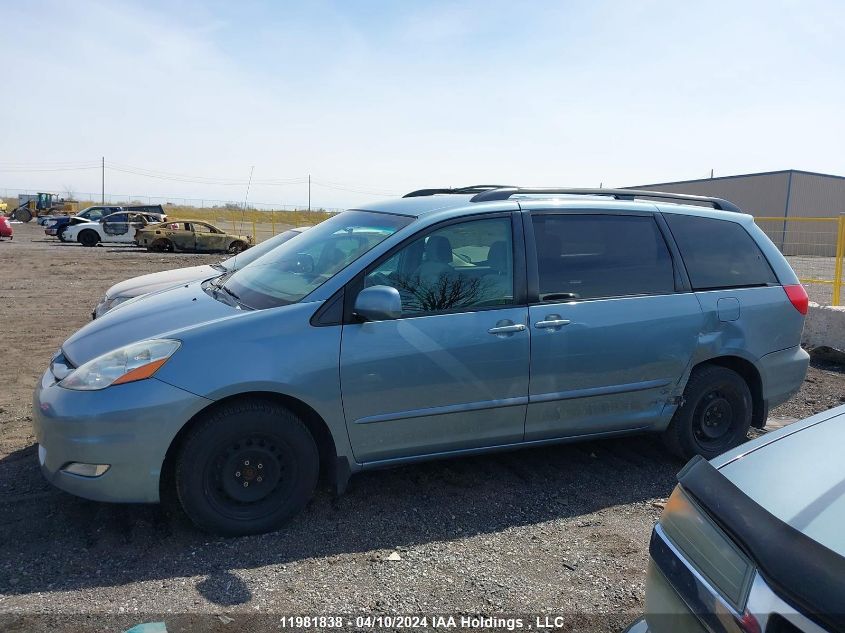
x,y
191,236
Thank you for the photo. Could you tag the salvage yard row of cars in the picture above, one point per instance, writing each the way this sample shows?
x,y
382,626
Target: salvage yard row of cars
x,y
459,321
144,225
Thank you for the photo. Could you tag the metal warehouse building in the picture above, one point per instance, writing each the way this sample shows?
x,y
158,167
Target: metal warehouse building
x,y
790,194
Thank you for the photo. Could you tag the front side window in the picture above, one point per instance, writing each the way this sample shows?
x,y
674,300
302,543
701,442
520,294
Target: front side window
x,y
719,253
600,256
460,266
297,267
93,214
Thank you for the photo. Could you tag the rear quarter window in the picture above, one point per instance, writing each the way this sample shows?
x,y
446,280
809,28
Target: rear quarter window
x,y
719,253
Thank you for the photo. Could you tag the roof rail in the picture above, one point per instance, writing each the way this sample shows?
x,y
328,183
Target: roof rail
x,y
619,194
460,190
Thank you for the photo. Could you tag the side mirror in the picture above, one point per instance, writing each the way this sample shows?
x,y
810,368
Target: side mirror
x,y
378,303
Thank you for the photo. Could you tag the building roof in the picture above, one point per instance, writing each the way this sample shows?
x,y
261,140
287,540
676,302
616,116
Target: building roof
x,y
752,175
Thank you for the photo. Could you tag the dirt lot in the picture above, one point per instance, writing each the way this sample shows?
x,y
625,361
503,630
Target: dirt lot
x,y
560,530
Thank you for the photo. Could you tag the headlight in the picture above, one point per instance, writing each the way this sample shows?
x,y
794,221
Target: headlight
x,y
127,364
709,549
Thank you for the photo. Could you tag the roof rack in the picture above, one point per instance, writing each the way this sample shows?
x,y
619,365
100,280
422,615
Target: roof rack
x,y
503,193
460,190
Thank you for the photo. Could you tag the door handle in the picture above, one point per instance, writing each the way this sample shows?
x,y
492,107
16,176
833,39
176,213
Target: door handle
x,y
551,323
506,329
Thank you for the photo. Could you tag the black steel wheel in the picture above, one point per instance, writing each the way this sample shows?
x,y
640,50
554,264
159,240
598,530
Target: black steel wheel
x,y
247,468
715,415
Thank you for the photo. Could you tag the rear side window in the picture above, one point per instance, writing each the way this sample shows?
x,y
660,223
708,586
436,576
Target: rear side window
x,y
599,256
719,253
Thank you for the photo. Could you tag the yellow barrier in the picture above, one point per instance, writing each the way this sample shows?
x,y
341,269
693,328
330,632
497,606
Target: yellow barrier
x,y
815,248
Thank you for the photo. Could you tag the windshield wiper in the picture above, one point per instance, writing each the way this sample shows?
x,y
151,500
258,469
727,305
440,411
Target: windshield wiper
x,y
235,297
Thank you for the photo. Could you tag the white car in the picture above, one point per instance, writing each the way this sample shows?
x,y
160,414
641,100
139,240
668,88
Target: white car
x,y
114,228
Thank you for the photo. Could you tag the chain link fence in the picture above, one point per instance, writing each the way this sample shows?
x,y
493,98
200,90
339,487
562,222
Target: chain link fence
x,y
814,248
261,220
89,199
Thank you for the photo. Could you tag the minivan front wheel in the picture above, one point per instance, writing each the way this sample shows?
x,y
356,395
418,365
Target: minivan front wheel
x,y
715,415
247,468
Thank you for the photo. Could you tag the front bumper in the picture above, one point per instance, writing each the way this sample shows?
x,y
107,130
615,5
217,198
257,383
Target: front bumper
x,y
128,427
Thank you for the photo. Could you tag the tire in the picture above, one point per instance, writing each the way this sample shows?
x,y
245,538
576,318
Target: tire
x,y
61,233
88,238
236,247
255,442
161,245
715,415
23,215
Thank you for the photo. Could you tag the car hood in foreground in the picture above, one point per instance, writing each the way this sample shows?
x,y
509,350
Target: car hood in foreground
x,y
156,315
161,280
798,475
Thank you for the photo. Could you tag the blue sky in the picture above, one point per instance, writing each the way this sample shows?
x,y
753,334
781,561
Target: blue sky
x,y
377,98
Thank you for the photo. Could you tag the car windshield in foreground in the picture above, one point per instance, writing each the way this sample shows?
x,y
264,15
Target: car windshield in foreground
x,y
296,268
250,255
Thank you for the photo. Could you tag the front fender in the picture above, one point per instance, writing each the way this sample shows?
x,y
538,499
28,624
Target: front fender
x,y
276,351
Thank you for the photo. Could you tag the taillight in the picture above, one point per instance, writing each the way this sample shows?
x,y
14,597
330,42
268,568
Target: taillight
x,y
798,297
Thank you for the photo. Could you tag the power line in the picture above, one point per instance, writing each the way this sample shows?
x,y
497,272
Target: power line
x,y
21,170
9,167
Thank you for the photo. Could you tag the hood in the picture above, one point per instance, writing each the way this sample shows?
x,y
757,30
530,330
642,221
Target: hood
x,y
800,478
78,226
161,280
158,314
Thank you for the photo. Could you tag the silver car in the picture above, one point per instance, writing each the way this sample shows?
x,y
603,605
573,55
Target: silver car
x,y
144,284
755,539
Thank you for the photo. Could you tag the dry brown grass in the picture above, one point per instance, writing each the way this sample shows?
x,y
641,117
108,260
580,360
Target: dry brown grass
x,y
238,216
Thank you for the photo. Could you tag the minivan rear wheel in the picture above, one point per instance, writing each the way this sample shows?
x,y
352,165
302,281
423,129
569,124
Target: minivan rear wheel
x,y
247,468
715,415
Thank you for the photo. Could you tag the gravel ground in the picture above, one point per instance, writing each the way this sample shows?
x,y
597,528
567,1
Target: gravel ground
x,y
560,530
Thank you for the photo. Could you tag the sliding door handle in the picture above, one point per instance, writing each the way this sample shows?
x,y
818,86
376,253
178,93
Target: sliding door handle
x,y
551,323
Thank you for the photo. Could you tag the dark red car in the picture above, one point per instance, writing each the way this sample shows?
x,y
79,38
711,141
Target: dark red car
x,y
5,227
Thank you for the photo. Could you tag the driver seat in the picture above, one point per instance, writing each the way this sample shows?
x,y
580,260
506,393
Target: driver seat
x,y
437,259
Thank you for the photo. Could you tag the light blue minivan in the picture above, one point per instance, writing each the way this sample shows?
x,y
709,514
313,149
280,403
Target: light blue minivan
x,y
448,322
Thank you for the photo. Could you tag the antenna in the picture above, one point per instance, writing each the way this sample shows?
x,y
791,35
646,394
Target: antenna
x,y
246,197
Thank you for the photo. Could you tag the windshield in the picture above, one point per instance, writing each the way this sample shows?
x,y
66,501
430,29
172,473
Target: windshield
x,y
250,255
289,272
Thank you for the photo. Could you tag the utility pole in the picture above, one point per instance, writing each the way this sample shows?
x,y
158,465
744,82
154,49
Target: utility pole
x,y
103,182
309,192
711,173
